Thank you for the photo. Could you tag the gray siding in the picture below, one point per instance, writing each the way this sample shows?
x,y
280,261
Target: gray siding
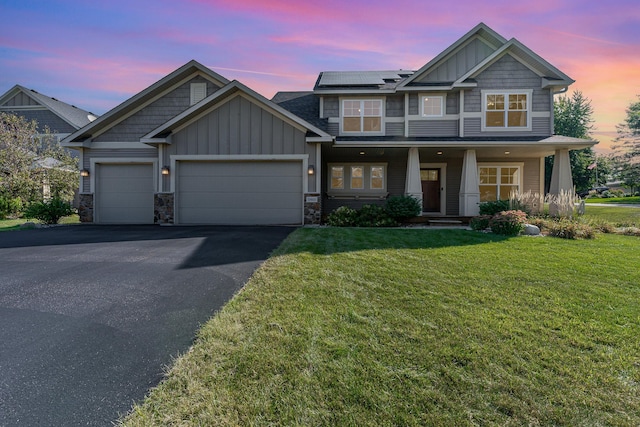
x,y
394,129
45,118
530,172
452,106
395,106
454,176
21,99
333,128
507,73
331,106
540,126
459,63
414,104
155,114
443,128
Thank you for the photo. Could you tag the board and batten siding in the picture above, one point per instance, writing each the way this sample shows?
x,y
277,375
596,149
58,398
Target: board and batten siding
x,y
459,63
154,114
21,99
151,153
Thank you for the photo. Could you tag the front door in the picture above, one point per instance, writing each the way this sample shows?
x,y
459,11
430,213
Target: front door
x,y
430,190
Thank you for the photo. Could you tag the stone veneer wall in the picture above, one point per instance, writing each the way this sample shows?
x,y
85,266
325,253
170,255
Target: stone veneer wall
x,y
312,208
163,204
85,207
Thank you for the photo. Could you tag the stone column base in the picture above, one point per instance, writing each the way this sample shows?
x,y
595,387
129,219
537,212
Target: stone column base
x,y
163,205
312,208
85,207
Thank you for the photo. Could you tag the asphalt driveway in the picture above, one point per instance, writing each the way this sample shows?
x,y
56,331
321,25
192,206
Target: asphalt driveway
x,y
91,315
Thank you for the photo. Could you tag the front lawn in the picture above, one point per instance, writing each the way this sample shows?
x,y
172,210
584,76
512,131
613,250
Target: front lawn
x,y
616,215
376,327
14,224
623,200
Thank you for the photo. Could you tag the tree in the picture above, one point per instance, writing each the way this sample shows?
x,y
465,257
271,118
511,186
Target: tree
x,y
627,150
573,117
33,166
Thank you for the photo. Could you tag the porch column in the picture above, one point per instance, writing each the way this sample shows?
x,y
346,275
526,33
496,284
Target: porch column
x,y
561,179
469,185
413,185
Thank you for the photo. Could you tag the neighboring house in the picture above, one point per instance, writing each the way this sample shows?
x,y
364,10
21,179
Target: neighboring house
x,y
472,125
61,118
195,148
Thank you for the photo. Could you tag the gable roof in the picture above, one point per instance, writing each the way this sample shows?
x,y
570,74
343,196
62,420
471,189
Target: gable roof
x,y
74,116
552,76
489,36
160,134
141,99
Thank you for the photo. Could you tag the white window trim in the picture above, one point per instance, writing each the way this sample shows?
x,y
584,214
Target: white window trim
x,y
366,180
382,116
519,165
506,93
442,105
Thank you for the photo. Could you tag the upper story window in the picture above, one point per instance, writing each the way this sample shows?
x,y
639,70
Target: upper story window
x,y
362,116
432,106
507,110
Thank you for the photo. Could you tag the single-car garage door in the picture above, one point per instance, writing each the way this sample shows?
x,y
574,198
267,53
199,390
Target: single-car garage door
x,y
241,193
124,193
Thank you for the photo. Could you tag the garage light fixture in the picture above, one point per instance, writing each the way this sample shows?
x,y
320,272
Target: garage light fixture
x,y
311,170
84,172
165,170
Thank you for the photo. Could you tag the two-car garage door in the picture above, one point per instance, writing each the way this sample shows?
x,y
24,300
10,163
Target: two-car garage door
x,y
239,192
207,192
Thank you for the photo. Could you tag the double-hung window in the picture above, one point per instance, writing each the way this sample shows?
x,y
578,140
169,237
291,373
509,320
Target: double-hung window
x,y
362,115
507,110
357,179
499,182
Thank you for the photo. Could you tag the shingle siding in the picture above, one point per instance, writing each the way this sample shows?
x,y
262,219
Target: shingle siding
x,y
98,153
331,106
45,117
395,106
155,114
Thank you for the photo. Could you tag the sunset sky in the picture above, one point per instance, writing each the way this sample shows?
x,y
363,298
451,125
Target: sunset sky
x,y
96,54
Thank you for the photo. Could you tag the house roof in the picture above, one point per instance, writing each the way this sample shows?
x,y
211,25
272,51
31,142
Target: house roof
x,y
74,116
159,135
305,105
141,99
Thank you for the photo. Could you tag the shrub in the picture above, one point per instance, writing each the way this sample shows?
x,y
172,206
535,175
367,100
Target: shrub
x,y
344,216
480,223
630,231
492,208
49,212
402,208
374,216
528,202
508,223
567,229
10,206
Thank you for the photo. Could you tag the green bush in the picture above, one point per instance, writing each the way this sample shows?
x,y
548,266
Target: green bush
x,y
374,216
568,229
494,207
49,212
10,206
480,223
344,216
402,208
508,223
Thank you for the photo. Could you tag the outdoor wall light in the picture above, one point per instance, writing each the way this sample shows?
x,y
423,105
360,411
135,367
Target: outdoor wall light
x,y
362,153
311,170
507,153
439,153
165,170
84,172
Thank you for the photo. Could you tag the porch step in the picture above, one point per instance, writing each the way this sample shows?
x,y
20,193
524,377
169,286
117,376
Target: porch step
x,y
437,222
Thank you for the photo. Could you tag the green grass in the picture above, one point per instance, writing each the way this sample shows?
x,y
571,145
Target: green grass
x,y
14,224
623,200
616,215
418,327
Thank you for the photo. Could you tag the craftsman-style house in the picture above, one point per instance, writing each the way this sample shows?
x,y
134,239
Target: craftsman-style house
x,y
473,124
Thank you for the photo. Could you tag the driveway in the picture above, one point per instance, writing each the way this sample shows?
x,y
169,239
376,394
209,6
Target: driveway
x,y
91,315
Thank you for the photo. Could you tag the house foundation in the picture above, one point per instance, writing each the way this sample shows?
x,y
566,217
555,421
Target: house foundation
x,y
163,208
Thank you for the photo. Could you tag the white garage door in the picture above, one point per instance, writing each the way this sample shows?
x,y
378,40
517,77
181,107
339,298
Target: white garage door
x,y
241,193
124,193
